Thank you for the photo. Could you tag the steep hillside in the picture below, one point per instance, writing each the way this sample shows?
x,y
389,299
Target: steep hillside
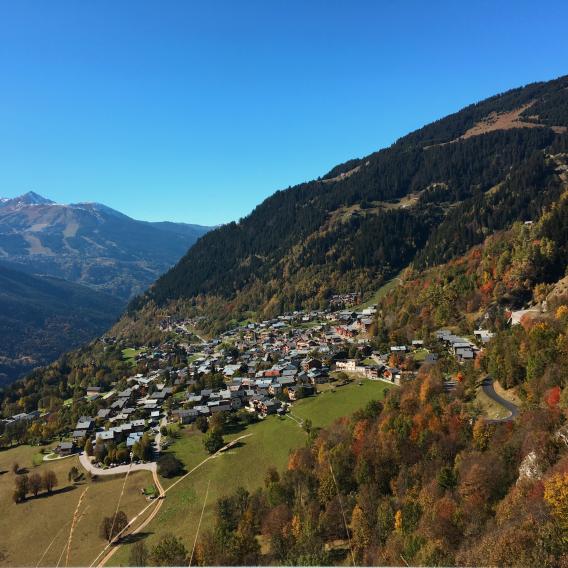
x,y
42,317
89,243
430,196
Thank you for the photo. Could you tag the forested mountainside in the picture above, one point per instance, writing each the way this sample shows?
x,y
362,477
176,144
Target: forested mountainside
x,y
430,196
89,243
41,317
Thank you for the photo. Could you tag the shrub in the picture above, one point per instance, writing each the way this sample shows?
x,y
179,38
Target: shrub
x,y
169,466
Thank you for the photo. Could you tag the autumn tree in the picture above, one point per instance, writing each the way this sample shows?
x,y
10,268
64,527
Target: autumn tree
x,y
22,487
113,526
35,483
49,480
556,497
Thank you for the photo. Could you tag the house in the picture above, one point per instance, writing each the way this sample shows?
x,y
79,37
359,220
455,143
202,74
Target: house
x,y
275,389
91,391
185,416
431,358
79,434
311,363
65,448
348,365
464,354
269,406
133,438
483,335
84,423
103,413
105,435
364,324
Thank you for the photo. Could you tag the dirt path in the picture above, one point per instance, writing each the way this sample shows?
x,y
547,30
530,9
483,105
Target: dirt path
x,y
108,554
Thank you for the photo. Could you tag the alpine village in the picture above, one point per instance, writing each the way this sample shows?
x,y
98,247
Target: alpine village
x,y
371,368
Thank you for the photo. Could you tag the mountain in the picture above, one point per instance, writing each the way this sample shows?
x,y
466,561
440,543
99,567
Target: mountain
x,y
41,317
429,197
89,243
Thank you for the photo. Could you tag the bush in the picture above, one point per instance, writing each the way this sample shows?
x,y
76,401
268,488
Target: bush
x,y
169,466
169,551
213,441
202,424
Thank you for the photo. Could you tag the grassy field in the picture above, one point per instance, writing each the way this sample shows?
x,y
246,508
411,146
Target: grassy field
x,y
331,404
420,354
490,409
28,528
270,444
129,354
380,293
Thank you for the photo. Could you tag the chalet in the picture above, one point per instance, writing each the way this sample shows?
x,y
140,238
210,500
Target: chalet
x,y
65,448
269,406
483,335
103,413
431,358
346,331
311,363
219,406
84,423
373,371
348,365
185,416
275,389
133,438
364,324
391,374
464,354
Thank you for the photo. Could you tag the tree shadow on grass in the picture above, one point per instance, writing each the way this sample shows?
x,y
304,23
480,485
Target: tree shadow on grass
x,y
45,494
233,428
132,538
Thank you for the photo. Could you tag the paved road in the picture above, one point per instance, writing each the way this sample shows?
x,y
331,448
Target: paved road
x,y
487,386
86,463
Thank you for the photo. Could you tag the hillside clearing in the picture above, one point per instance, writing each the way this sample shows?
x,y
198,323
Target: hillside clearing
x,y
28,528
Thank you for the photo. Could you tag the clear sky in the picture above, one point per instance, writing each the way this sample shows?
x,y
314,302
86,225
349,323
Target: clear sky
x,y
196,111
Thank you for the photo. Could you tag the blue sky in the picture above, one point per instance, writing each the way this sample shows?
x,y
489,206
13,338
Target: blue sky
x,y
196,111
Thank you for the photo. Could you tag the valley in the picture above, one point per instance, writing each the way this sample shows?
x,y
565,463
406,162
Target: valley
x,y
368,369
67,271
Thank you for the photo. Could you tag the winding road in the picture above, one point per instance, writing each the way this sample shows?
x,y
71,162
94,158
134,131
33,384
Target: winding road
x,y
487,386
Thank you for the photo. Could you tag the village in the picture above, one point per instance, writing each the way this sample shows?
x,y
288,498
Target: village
x,y
256,369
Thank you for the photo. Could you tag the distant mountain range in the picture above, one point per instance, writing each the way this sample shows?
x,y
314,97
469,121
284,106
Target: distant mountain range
x,y
89,243
66,272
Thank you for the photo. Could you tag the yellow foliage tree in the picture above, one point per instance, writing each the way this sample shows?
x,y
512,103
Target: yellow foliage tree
x,y
398,521
556,497
360,530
